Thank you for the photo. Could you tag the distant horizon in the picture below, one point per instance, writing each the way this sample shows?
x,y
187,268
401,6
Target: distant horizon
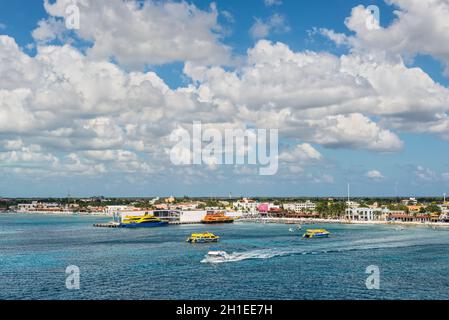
x,y
225,197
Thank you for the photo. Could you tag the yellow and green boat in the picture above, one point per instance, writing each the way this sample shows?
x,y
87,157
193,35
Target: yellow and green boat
x,y
316,233
205,237
145,221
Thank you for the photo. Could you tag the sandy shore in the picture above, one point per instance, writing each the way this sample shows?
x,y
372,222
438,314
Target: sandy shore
x,y
339,221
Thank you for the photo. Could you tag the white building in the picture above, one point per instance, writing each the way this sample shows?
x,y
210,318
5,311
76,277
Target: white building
x,y
352,204
246,205
364,214
110,210
192,216
26,207
300,206
409,202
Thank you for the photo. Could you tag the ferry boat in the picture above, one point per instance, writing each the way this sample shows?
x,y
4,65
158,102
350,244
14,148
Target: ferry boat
x,y
206,237
216,217
145,221
316,233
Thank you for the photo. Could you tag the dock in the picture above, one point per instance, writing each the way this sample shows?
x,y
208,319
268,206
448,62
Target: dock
x,y
107,225
116,225
178,223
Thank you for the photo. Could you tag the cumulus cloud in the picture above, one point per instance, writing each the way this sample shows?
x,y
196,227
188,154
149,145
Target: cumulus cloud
x,y
425,174
296,157
89,115
141,33
275,23
270,3
375,175
420,27
316,97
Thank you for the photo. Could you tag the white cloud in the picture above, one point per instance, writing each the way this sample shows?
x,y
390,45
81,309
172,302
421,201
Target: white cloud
x,y
270,3
275,23
49,30
375,175
425,174
301,153
317,98
420,27
91,116
136,34
296,157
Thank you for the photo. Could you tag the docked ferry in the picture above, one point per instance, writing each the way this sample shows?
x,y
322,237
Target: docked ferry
x,y
316,233
145,221
216,217
206,237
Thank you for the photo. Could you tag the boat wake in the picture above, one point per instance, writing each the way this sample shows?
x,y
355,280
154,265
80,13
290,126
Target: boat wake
x,y
372,244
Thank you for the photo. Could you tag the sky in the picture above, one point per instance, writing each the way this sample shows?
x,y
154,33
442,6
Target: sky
x,y
90,108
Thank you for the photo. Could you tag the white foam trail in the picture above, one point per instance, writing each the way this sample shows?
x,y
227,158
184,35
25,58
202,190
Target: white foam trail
x,y
368,244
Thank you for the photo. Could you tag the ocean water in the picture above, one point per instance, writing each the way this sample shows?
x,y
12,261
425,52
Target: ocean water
x,y
265,261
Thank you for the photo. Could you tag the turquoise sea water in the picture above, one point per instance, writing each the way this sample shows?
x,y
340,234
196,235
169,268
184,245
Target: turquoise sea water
x,y
266,261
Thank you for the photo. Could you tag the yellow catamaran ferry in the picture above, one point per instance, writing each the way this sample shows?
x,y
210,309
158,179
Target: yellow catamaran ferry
x,y
205,237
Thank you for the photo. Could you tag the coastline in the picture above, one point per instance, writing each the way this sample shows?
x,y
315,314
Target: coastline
x,y
339,221
57,214
285,221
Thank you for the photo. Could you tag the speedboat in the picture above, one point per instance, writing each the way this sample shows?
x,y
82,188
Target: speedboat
x,y
316,233
217,254
291,230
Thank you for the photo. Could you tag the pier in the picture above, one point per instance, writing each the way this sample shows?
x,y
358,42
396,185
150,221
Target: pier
x,y
116,225
107,225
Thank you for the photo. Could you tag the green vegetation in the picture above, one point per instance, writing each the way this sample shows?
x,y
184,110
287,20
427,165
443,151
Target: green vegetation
x,y
331,209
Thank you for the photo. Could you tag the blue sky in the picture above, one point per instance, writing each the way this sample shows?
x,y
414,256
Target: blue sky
x,y
397,145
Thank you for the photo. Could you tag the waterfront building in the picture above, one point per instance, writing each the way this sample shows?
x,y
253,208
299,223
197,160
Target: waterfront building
x,y
169,199
184,206
365,214
36,206
413,218
444,208
409,202
352,204
110,210
161,206
300,206
246,205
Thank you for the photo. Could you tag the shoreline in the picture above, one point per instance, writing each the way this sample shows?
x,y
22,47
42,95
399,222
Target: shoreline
x,y
285,221
57,214
338,221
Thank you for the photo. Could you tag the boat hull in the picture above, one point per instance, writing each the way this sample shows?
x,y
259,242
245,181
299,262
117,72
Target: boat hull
x,y
202,240
144,224
217,222
318,235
